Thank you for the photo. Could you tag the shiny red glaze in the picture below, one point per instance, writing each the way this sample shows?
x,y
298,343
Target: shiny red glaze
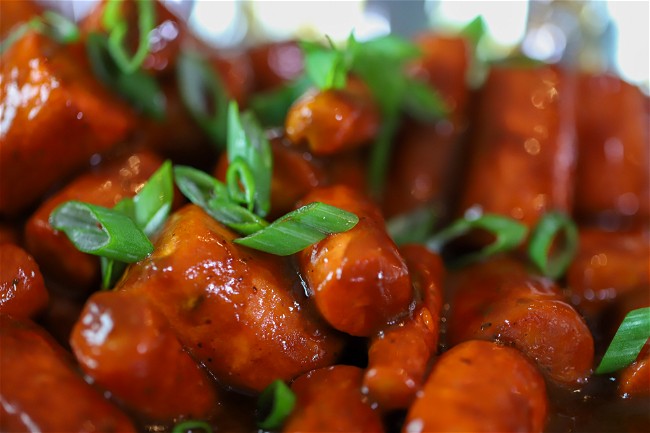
x,y
334,120
238,311
480,386
426,155
523,147
275,63
164,40
294,174
235,70
41,391
330,400
358,279
105,186
22,289
55,116
399,356
129,349
500,300
608,265
634,380
613,137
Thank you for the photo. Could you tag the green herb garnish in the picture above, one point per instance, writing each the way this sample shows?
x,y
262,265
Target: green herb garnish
x,y
553,263
628,341
117,27
274,405
192,425
508,234
298,229
244,200
119,235
51,24
101,231
138,88
204,95
414,226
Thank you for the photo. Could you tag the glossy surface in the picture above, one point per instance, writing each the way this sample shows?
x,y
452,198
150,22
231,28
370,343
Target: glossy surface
x,y
358,280
238,311
22,289
480,386
501,300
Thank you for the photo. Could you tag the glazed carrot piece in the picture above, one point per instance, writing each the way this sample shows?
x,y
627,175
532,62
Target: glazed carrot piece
x,y
613,137
358,279
522,149
105,186
240,312
608,265
399,356
330,400
334,120
426,155
480,386
42,391
129,349
22,289
500,300
55,117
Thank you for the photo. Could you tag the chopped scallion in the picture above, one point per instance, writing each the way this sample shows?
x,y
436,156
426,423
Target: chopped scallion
x,y
51,24
508,234
274,405
204,95
414,226
299,229
138,88
628,341
247,140
101,231
553,263
192,426
117,27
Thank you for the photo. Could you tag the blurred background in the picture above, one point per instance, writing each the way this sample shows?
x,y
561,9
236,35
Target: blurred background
x,y
595,35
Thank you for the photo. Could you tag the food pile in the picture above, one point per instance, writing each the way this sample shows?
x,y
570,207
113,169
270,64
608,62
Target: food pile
x,y
309,236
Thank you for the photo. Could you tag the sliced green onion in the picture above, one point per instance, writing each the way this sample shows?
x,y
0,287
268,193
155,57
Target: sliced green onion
x,y
414,226
299,229
138,88
60,28
234,216
553,263
628,341
101,231
112,271
326,66
241,183
198,186
271,107
380,156
390,47
423,102
274,405
192,426
204,95
474,30
247,140
50,24
118,30
153,203
207,192
508,232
